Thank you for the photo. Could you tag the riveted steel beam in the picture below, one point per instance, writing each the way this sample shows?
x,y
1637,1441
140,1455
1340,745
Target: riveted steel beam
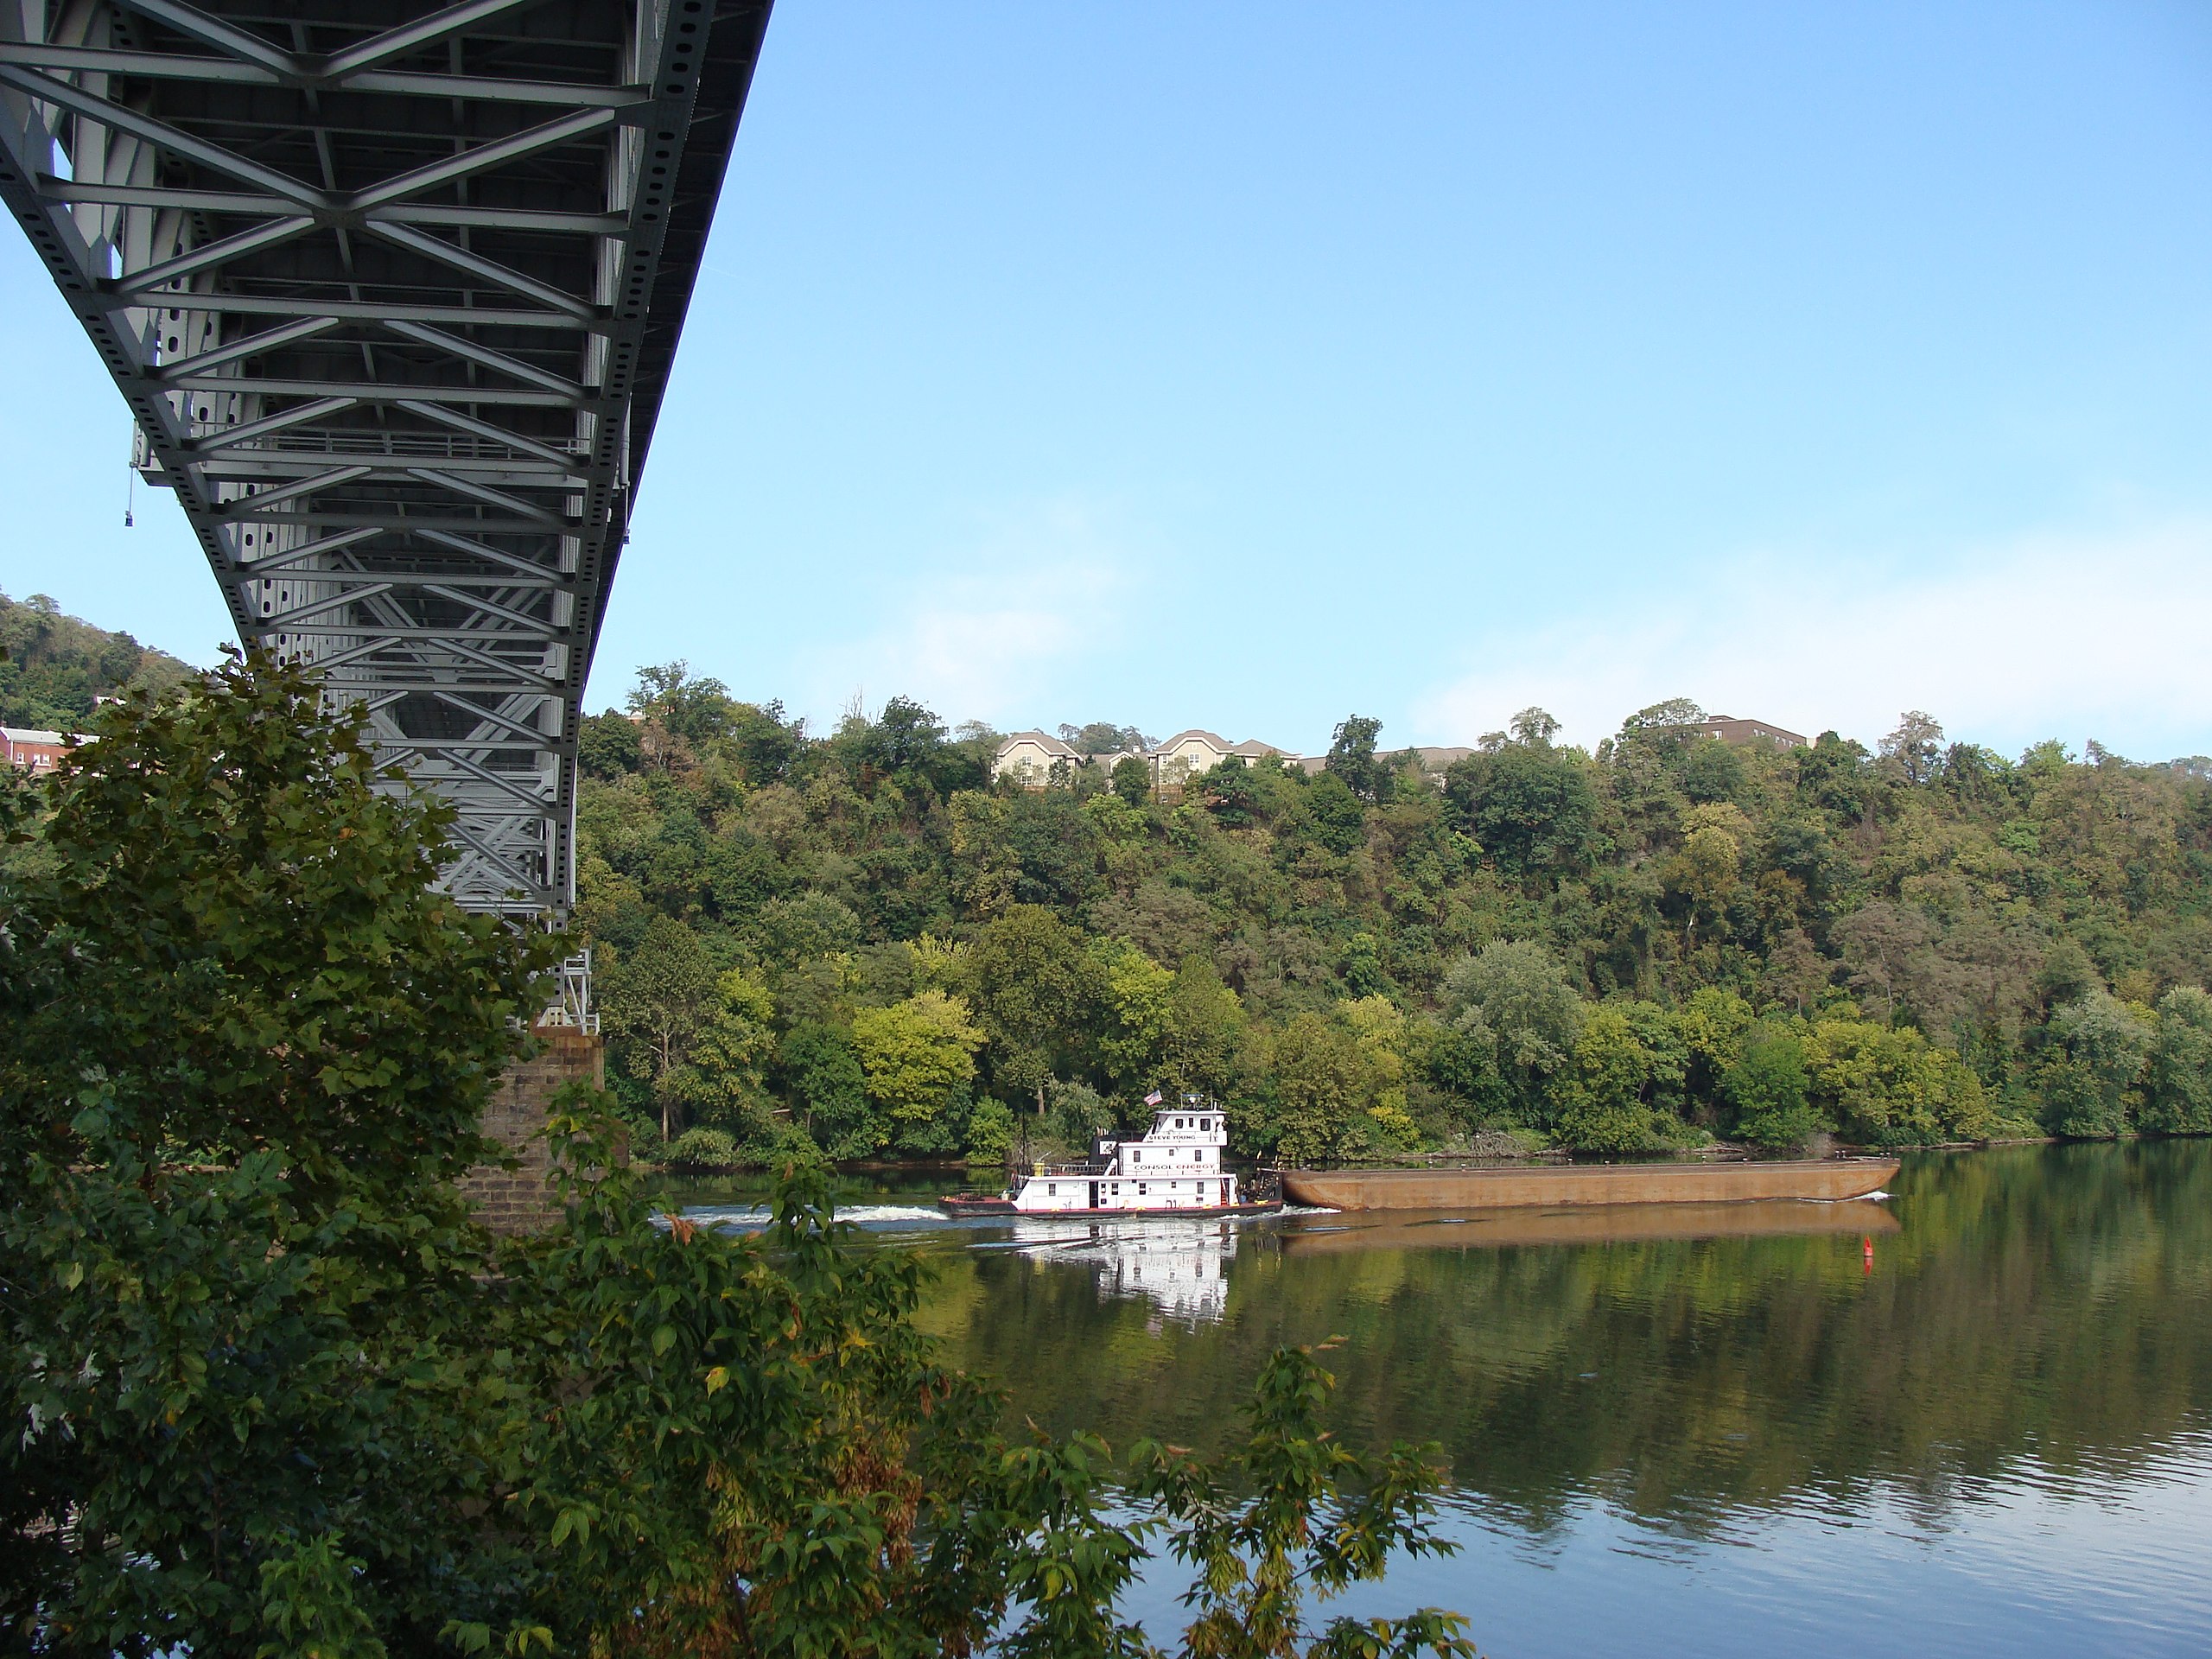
x,y
392,289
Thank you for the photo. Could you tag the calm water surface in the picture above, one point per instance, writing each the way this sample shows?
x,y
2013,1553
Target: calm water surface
x,y
1736,1441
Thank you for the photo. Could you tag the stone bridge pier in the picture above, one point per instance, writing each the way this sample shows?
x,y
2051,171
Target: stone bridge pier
x,y
521,1200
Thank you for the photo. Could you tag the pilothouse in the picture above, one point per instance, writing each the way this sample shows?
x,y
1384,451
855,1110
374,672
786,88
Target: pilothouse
x,y
1174,1168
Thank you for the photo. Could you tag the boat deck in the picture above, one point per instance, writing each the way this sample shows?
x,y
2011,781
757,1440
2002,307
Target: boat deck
x,y
961,1203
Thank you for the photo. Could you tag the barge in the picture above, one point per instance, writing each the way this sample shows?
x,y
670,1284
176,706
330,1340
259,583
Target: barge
x,y
1173,1169
1587,1223
1560,1185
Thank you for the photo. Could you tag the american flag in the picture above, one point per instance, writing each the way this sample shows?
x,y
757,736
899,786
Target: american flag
x,y
1155,1098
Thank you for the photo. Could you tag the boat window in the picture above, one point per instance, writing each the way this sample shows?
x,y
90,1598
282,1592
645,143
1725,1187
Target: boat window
x,y
1140,1189
1051,1190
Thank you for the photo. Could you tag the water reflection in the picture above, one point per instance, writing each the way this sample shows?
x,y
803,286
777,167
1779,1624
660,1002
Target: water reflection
x,y
2030,1357
1414,1230
1179,1267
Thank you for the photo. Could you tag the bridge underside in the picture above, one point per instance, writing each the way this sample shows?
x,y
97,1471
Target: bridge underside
x,y
392,289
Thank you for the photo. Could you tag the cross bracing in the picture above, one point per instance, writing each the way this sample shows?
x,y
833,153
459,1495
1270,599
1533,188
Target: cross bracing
x,y
392,289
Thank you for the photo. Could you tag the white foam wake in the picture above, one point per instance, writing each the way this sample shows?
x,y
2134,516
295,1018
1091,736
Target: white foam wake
x,y
864,1215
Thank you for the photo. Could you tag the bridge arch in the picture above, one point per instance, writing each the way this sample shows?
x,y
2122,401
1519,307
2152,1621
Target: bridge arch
x,y
392,289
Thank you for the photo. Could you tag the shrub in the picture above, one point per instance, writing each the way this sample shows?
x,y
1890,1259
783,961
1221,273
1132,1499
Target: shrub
x,y
1888,1086
1769,1092
702,1149
1604,1095
2177,1100
990,1133
2100,1047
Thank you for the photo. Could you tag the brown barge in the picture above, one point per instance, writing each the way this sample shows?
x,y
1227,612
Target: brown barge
x,y
1555,1185
1584,1223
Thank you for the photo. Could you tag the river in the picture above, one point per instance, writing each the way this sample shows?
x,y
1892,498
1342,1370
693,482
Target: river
x,y
1994,1438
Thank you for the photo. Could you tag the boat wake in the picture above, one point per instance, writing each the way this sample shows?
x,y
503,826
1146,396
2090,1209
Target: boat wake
x,y
863,1215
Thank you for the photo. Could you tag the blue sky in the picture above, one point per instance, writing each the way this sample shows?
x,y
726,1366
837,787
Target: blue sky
x,y
1246,365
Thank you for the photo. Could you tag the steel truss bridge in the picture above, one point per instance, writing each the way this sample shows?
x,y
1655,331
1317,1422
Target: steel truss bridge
x,y
392,289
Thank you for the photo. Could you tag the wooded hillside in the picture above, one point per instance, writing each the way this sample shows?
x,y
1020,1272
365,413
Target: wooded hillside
x,y
55,666
856,943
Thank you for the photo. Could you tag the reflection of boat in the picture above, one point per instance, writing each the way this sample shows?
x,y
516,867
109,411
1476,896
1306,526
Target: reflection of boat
x,y
1554,1185
1595,1223
1174,1168
1180,1267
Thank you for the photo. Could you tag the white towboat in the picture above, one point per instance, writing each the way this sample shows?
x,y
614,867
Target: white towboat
x,y
1173,1169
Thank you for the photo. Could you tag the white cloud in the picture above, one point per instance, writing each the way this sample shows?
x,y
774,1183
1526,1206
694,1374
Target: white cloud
x,y
992,630
2072,636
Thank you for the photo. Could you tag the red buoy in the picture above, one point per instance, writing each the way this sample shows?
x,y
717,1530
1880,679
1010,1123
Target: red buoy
x,y
1869,1252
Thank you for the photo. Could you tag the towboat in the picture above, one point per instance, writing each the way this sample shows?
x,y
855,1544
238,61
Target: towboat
x,y
1173,1169
1558,1185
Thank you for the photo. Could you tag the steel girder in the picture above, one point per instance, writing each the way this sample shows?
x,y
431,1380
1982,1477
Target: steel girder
x,y
393,287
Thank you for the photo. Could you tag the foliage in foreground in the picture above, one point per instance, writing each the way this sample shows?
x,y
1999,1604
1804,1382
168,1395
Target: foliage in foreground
x,y
270,1391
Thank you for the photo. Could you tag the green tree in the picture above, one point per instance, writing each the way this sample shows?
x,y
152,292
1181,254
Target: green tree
x,y
1914,748
726,1081
660,996
1032,986
1339,822
1138,997
1103,737
2177,1099
1351,759
1712,1025
1132,781
2093,1073
609,745
1292,1510
1514,996
1707,868
829,1088
1205,1035
1602,1095
1888,1085
1768,1092
1463,1066
1528,805
1228,792
991,1133
1320,1078
1710,770
250,1046
919,1056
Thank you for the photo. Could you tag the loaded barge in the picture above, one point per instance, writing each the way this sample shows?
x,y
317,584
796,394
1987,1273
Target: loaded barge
x,y
1173,1169
1558,1185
